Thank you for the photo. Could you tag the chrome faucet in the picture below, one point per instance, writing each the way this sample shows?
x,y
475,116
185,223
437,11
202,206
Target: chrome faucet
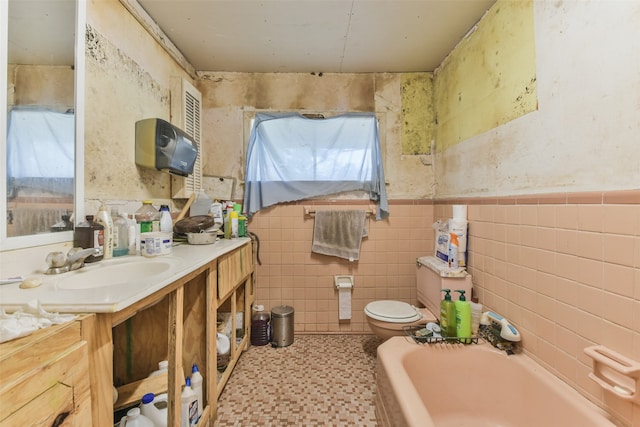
x,y
58,262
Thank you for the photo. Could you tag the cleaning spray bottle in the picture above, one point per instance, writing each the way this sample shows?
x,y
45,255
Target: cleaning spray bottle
x,y
463,318
447,315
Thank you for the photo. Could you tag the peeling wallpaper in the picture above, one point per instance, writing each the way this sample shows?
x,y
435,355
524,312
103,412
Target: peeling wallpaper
x,y
490,78
418,119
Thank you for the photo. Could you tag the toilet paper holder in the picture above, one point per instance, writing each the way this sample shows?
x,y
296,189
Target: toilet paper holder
x,y
343,282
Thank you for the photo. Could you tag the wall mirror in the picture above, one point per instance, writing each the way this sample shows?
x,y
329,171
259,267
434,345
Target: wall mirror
x,y
42,126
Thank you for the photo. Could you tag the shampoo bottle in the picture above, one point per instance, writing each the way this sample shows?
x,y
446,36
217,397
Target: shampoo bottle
x,y
447,315
463,318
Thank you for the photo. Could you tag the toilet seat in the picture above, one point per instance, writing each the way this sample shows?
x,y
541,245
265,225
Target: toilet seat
x,y
392,311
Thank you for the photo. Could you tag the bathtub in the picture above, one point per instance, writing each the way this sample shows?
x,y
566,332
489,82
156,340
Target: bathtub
x,y
447,385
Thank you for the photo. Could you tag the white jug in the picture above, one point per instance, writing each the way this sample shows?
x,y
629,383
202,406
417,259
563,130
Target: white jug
x,y
135,419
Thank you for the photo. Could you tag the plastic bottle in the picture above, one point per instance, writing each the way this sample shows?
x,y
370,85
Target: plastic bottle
x,y
196,386
231,225
216,212
448,315
147,217
103,218
201,205
163,368
89,234
155,408
135,419
463,317
453,251
166,223
260,326
189,406
132,233
120,234
476,315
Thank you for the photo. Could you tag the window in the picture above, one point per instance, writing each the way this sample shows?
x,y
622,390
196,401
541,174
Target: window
x,y
291,157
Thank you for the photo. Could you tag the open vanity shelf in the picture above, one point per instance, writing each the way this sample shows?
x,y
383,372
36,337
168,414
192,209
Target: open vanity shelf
x,y
178,324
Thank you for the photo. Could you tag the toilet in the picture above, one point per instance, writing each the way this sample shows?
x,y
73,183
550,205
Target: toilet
x,y
388,318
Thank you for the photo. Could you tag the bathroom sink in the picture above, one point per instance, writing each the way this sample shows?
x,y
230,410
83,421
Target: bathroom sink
x,y
101,275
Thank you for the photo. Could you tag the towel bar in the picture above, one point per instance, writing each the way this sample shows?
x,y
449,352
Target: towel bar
x,y
309,211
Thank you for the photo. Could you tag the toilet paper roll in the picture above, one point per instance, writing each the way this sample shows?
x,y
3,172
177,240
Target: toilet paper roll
x,y
460,211
344,303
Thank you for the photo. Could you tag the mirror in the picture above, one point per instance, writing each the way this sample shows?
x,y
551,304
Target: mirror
x,y
43,124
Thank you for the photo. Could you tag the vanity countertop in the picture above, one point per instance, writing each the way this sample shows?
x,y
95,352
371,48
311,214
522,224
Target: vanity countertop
x,y
131,279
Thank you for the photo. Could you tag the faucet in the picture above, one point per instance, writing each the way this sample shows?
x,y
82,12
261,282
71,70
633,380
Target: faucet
x,y
58,262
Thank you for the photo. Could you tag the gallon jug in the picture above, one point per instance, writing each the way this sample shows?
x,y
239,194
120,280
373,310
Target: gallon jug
x,y
135,419
260,326
155,408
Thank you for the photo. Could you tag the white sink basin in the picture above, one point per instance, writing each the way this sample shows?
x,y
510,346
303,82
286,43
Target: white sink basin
x,y
101,275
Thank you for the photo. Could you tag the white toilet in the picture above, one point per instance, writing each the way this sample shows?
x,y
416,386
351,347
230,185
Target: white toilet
x,y
387,318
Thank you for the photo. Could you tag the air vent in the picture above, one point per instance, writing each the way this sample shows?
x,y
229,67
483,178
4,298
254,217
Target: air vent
x,y
186,111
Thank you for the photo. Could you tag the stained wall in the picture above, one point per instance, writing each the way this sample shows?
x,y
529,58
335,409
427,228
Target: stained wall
x,y
584,134
230,100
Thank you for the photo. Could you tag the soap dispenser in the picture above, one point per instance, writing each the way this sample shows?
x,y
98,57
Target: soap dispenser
x,y
463,317
447,315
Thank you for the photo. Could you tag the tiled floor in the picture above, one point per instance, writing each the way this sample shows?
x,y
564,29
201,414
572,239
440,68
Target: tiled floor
x,y
319,380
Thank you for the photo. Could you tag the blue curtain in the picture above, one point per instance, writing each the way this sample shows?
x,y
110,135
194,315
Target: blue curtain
x,y
291,157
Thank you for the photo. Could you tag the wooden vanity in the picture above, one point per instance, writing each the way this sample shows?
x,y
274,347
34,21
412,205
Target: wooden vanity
x,y
177,322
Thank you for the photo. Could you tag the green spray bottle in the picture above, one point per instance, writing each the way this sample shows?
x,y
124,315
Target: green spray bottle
x,y
463,317
447,315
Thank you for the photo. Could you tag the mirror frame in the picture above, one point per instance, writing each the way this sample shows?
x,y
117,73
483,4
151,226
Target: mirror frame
x,y
19,242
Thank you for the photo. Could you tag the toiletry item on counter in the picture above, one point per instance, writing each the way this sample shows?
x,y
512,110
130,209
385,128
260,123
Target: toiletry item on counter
x,y
201,205
463,317
132,234
147,217
103,218
89,234
231,225
155,408
189,407
166,223
218,216
196,386
453,251
476,314
155,244
242,226
135,419
447,315
120,233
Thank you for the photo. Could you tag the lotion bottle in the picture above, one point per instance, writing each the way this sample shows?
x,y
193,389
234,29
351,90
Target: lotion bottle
x,y
103,218
463,318
447,315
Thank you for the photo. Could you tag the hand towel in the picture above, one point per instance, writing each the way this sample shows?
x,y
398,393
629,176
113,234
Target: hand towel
x,y
339,233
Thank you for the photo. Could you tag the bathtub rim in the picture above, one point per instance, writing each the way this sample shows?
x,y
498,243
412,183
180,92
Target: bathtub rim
x,y
391,355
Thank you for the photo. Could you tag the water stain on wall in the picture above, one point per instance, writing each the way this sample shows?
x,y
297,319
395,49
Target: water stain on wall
x,y
490,78
124,93
418,124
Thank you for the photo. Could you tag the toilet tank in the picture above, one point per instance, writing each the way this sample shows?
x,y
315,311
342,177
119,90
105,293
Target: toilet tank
x,y
433,275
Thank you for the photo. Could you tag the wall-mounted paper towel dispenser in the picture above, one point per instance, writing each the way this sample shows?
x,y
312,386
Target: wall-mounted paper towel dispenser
x,y
162,146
